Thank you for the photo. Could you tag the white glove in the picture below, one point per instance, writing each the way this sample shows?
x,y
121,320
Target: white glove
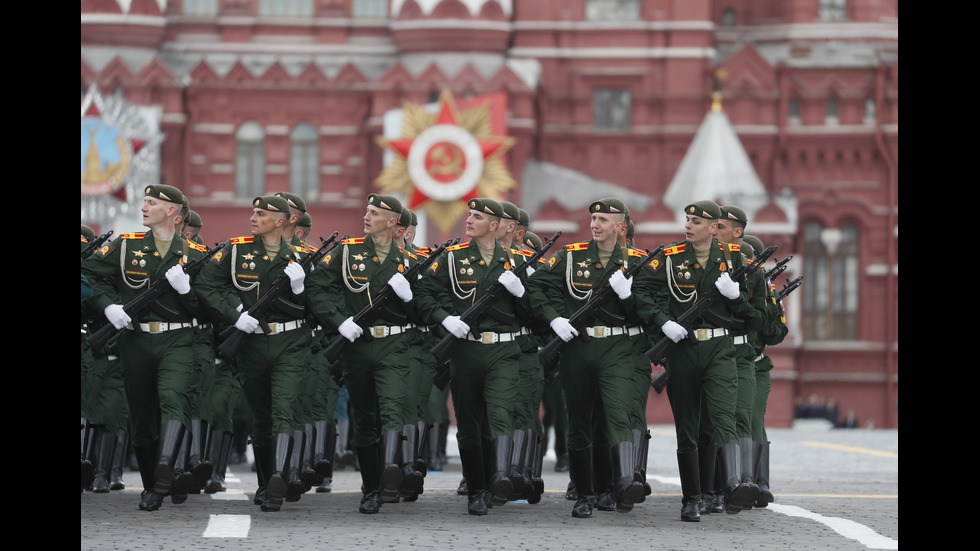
x,y
563,329
117,316
179,280
296,275
456,326
673,330
350,330
238,308
246,323
530,271
512,283
729,289
401,287
622,286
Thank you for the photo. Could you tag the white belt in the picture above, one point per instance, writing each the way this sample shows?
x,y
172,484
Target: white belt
x,y
741,339
382,331
708,334
489,337
602,331
759,357
276,327
155,327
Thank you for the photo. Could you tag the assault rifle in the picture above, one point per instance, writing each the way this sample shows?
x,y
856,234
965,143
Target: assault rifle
x,y
585,314
473,314
779,268
790,286
370,312
107,334
231,337
95,244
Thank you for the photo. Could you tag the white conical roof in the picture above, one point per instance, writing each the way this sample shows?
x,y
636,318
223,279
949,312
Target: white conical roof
x,y
716,167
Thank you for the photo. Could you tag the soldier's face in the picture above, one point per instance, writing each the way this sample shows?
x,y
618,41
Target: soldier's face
x,y
606,228
265,222
726,232
154,211
699,230
377,221
479,224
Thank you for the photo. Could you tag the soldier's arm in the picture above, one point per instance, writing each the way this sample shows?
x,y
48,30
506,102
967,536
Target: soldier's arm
x,y
101,268
432,303
545,291
215,289
325,293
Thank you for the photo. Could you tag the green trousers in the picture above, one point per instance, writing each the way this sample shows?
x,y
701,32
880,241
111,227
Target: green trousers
x,y
483,382
763,385
376,376
745,360
702,371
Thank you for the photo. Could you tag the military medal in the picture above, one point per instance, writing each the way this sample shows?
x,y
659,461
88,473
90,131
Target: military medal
x,y
362,266
462,271
598,265
687,275
469,271
353,267
251,265
579,273
142,263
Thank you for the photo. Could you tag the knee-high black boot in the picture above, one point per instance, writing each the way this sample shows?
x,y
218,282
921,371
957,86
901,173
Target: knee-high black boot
x,y
602,479
642,445
707,463
322,459
277,486
219,460
580,462
171,436
311,439
198,462
116,481
737,495
391,471
747,464
146,458
184,482
103,462
88,451
411,477
369,462
762,474
627,490
295,487
473,471
500,485
687,467
516,464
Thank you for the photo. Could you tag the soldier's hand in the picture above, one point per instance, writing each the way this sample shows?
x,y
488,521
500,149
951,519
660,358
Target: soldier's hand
x,y
564,329
117,316
296,275
727,287
179,280
246,323
512,283
621,285
350,330
456,326
673,330
401,287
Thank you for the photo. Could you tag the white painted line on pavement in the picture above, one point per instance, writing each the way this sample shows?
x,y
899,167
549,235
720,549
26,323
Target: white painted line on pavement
x,y
228,526
847,528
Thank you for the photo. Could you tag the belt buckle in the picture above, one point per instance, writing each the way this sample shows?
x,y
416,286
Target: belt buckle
x,y
153,327
702,334
274,327
379,331
488,337
599,332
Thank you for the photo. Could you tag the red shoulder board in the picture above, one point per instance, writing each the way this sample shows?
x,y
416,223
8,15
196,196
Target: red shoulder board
x,y
674,250
134,235
425,250
459,247
637,253
423,254
522,252
352,241
408,253
241,240
197,247
734,247
84,240
577,246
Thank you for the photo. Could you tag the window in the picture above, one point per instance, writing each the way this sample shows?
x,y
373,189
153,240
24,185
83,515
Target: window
x,y
870,111
830,295
831,111
250,160
201,7
285,8
304,177
794,111
832,10
369,9
612,10
728,18
611,108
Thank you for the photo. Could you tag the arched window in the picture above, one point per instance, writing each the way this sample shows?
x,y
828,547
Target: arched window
x,y
304,169
830,288
611,108
250,160
728,18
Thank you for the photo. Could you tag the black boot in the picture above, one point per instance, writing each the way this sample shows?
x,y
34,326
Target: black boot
x,y
627,490
367,458
472,462
220,449
278,486
116,481
391,471
88,452
263,470
198,462
580,462
432,460
687,467
500,485
343,456
737,495
762,474
561,452
171,436
295,487
642,456
103,462
146,458
308,474
602,479
184,482
323,451
718,490
516,464
441,448
707,464
747,464
412,478
532,468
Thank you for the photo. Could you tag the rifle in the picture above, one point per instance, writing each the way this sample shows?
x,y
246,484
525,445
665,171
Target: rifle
x,y
473,314
370,312
95,244
687,320
790,286
549,352
779,268
231,337
148,299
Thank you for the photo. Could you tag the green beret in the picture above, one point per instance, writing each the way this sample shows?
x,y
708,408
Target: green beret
x,y
406,218
87,232
511,212
271,203
734,214
524,219
488,206
754,241
531,239
747,249
609,205
704,209
194,220
165,192
386,202
305,221
415,218
295,201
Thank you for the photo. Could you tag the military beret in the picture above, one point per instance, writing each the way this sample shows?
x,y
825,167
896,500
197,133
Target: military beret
x,y
305,221
488,206
511,212
406,218
165,192
747,249
733,213
415,218
531,239
525,218
295,201
194,220
704,209
386,202
271,203
754,241
609,205
87,232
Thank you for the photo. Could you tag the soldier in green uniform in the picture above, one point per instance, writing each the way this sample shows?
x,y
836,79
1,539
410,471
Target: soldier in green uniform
x,y
597,372
484,360
375,363
274,365
193,226
701,367
156,352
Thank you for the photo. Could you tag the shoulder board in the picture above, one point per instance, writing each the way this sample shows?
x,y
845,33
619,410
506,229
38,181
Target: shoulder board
x,y
408,253
674,250
84,240
240,240
731,247
638,253
459,247
522,252
425,250
300,249
352,241
135,235
577,246
421,253
197,247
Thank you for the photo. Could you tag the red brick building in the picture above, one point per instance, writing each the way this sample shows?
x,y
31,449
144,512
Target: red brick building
x,y
600,97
